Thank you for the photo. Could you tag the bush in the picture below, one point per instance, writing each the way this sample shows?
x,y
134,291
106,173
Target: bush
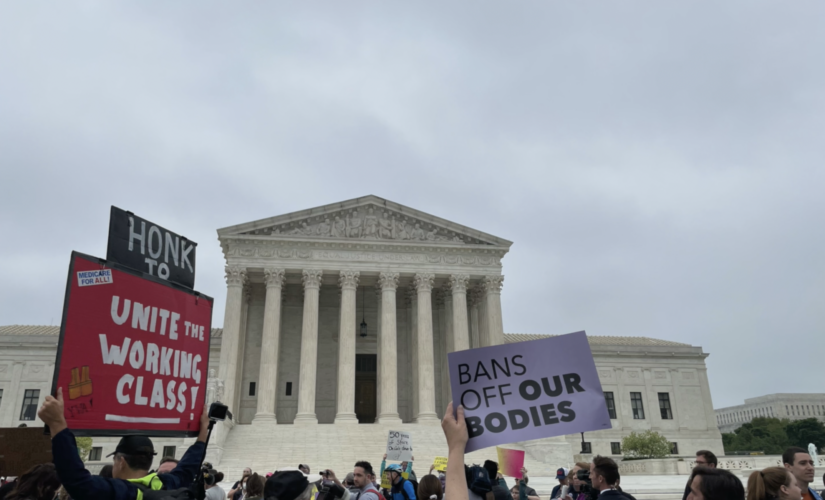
x,y
647,444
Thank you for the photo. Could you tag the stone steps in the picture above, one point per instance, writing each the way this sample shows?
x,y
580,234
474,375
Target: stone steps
x,y
267,446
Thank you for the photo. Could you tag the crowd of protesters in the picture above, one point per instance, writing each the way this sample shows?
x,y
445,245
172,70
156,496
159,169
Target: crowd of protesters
x,y
129,476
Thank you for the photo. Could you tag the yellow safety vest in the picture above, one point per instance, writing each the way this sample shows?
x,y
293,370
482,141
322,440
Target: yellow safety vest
x,y
152,481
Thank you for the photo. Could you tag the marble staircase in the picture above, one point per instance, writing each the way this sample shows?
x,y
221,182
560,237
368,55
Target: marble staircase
x,y
265,447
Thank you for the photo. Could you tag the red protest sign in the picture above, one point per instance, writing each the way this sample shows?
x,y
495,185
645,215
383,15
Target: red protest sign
x,y
133,353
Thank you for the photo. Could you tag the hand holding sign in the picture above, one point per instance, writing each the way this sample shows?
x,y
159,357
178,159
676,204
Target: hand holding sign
x,y
51,413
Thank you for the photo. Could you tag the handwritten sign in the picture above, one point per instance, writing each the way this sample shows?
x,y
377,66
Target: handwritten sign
x,y
440,464
133,353
385,480
399,446
511,393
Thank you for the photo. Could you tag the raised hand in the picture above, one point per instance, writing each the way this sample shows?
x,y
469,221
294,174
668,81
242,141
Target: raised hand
x,y
51,413
455,428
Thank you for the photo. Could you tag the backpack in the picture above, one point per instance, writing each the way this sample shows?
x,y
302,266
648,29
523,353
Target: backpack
x,y
178,494
479,481
403,491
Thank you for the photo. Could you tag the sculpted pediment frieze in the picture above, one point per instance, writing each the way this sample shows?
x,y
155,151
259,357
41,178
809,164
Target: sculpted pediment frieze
x,y
368,222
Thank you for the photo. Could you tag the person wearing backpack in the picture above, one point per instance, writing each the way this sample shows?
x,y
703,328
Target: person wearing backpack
x,y
500,489
401,488
133,458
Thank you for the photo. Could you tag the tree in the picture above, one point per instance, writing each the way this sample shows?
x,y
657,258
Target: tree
x,y
647,444
765,434
84,446
802,432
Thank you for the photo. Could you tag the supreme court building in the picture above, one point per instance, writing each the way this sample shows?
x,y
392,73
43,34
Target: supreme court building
x,y
343,315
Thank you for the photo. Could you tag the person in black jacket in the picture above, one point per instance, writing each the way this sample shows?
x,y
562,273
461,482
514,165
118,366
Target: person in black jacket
x,y
604,474
133,459
500,490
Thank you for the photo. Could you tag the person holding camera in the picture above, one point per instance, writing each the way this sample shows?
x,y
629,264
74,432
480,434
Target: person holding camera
x,y
133,459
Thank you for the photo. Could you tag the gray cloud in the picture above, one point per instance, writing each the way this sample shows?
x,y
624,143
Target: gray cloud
x,y
658,165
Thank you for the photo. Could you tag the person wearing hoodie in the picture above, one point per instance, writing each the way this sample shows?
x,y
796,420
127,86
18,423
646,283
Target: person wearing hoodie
x,y
604,474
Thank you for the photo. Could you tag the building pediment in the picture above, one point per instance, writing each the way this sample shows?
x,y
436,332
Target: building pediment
x,y
367,219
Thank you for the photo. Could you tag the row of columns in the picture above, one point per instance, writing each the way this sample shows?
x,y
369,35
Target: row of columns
x,y
485,326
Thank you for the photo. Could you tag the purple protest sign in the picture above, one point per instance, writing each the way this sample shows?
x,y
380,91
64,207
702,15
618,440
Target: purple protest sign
x,y
528,390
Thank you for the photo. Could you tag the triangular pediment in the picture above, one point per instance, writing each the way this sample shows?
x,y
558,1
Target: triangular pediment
x,y
369,218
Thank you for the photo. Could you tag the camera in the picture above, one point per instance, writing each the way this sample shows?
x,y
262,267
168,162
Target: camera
x,y
219,411
586,487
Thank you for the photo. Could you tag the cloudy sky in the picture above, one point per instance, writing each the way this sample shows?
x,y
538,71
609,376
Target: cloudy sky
x,y
659,165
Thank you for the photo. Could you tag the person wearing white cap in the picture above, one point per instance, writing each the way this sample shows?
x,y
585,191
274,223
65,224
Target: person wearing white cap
x,y
561,476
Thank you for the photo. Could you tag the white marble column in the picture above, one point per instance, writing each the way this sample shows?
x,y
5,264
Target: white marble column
x,y
388,383
413,352
483,323
495,323
448,314
472,299
235,280
448,334
239,389
270,346
348,280
426,363
461,335
441,351
378,346
309,348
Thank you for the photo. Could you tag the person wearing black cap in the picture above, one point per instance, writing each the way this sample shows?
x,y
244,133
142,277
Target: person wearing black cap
x,y
132,461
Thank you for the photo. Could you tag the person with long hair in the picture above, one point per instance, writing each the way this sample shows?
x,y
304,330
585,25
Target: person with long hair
x,y
430,488
38,483
254,487
773,483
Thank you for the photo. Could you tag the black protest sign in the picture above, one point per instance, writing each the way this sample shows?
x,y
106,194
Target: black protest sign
x,y
149,248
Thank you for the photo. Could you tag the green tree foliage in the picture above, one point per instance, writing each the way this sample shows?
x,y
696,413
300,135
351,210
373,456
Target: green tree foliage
x,y
84,446
802,432
647,444
772,435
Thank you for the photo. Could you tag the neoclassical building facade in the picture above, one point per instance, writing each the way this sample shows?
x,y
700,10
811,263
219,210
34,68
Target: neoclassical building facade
x,y
344,314
378,291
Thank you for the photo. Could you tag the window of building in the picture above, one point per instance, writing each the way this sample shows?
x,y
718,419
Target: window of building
x,y
95,454
586,448
611,405
616,448
664,406
252,388
637,406
1,397
29,409
674,448
289,388
169,451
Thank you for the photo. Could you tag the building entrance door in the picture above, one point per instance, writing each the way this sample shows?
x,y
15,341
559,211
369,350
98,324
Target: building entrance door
x,y
365,388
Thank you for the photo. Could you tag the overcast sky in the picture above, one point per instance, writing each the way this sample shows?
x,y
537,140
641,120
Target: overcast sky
x,y
659,165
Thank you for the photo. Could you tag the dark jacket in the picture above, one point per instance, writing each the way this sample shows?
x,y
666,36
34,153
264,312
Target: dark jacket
x,y
616,494
82,485
501,491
